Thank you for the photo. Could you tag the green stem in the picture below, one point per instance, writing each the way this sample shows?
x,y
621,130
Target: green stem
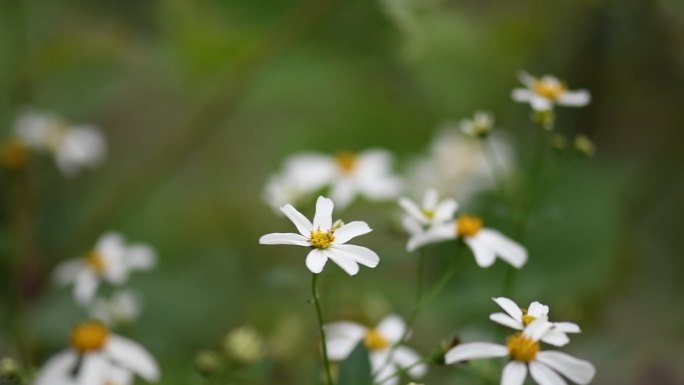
x,y
319,313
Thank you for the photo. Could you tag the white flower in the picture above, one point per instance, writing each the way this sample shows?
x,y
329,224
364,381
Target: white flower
x,y
385,357
121,308
97,357
282,189
518,318
327,240
486,244
545,367
480,125
111,260
431,212
73,147
545,92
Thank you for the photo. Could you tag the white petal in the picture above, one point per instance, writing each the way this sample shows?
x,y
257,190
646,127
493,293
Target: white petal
x,y
506,320
405,357
284,239
93,370
351,230
555,338
434,234
67,271
537,329
526,79
382,367
579,371
543,375
360,254
504,247
540,103
430,199
316,260
514,373
342,337
484,255
111,243
577,98
510,307
85,287
538,310
522,95
473,351
566,327
343,192
392,327
411,225
413,210
141,257
379,187
304,226
323,217
133,356
56,371
445,211
347,264
119,376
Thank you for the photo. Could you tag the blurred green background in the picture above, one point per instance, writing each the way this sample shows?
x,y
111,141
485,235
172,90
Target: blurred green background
x,y
201,100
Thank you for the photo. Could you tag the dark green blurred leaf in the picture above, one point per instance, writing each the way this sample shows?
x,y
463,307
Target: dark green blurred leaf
x,y
356,369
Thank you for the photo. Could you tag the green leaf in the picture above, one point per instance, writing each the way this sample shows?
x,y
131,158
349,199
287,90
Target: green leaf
x,y
356,369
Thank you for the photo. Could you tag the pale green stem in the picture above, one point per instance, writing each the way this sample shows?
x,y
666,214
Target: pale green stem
x,y
319,314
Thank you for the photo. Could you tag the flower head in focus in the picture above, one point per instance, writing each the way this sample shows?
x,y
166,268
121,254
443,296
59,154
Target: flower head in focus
x,y
431,212
479,126
525,354
327,240
385,357
122,307
547,91
111,261
98,357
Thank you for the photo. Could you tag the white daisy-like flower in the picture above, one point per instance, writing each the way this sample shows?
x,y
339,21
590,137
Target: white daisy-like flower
x,y
325,239
486,244
111,260
385,357
480,125
98,357
73,147
518,318
432,211
282,189
121,308
545,92
524,351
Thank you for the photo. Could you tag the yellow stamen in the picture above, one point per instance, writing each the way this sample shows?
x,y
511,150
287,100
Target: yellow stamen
x,y
548,88
468,225
346,161
321,239
14,154
429,213
375,341
96,262
521,348
526,318
89,337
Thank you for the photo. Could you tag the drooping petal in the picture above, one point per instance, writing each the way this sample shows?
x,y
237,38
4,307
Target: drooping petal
x,y
315,261
540,103
510,307
66,272
430,199
392,327
342,260
473,351
323,217
445,211
543,375
504,247
538,310
514,373
56,371
577,98
351,230
85,287
506,320
537,329
284,239
133,356
575,369
304,226
413,210
342,337
405,357
141,257
567,327
434,234
484,255
555,338
93,369
119,376
360,254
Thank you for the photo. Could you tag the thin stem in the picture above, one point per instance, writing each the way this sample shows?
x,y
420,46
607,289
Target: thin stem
x,y
319,313
419,276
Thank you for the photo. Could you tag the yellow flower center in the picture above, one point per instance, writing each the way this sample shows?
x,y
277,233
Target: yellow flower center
x,y
321,239
526,318
346,161
468,225
548,88
375,341
521,348
96,262
14,154
428,213
89,337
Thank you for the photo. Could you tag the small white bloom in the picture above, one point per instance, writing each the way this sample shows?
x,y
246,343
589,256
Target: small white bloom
x,y
480,125
545,367
327,240
97,357
385,357
430,212
111,260
545,92
518,318
121,308
282,189
486,244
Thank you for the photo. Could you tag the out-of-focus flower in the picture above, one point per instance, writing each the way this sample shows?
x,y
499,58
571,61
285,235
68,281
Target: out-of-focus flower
x,y
485,243
14,154
347,174
455,165
545,92
326,239
244,344
524,350
280,190
385,357
584,145
479,126
518,318
208,361
431,212
73,147
111,260
121,308
97,357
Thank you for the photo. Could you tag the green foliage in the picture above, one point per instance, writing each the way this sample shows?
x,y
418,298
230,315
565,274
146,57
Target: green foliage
x,y
356,369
